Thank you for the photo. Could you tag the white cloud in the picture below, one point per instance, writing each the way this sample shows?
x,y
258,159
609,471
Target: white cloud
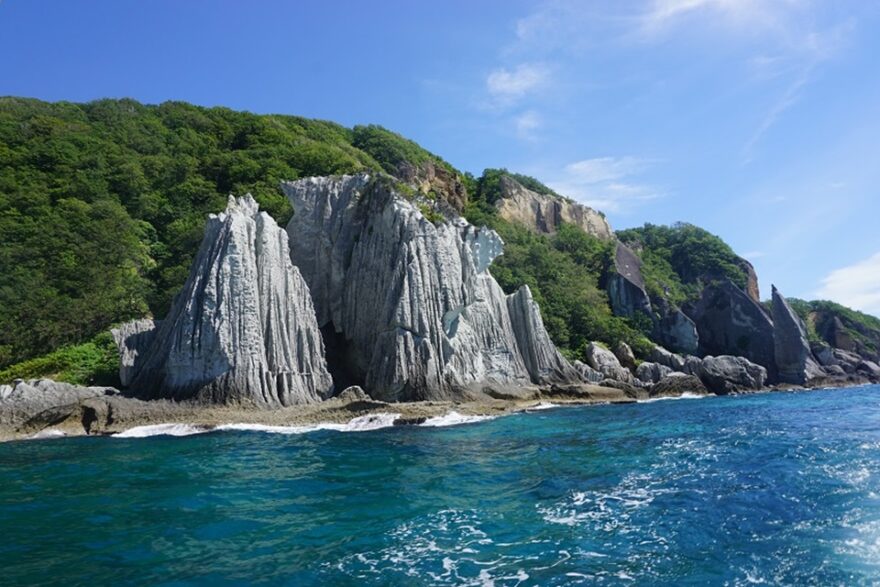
x,y
527,124
857,285
608,184
510,84
604,168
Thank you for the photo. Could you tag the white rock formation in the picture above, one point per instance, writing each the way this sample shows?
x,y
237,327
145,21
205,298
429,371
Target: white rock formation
x,y
421,315
243,329
544,213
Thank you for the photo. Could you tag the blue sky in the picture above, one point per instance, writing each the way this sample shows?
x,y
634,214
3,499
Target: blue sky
x,y
756,119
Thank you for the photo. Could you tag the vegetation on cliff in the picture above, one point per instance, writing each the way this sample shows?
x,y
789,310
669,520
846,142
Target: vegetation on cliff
x,y
679,260
103,205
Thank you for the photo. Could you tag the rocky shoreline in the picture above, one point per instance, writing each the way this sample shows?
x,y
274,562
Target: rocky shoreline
x,y
42,409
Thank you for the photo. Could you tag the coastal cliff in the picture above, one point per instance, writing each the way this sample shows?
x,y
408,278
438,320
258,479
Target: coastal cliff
x,y
419,314
243,329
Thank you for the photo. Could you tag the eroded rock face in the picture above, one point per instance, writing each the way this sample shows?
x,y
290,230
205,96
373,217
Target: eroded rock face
x,y
544,213
133,339
431,176
243,329
421,316
794,359
626,287
730,322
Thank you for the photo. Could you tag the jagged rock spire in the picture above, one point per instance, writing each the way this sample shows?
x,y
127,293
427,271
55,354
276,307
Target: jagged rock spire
x,y
421,315
243,329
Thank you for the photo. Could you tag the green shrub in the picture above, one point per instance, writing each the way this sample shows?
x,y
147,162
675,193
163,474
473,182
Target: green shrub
x,y
92,363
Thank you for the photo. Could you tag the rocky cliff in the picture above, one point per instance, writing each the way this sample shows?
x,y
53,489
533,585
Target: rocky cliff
x,y
417,312
794,359
730,322
544,213
243,329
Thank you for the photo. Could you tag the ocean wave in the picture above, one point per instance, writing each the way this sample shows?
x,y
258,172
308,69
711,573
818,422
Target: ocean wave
x,y
48,433
685,395
161,430
542,406
359,424
453,418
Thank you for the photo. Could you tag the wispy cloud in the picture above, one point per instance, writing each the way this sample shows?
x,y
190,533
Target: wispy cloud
x,y
527,124
857,285
609,184
508,85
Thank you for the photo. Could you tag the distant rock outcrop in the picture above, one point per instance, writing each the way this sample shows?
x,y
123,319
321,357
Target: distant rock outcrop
x,y
243,329
544,212
418,313
626,287
794,359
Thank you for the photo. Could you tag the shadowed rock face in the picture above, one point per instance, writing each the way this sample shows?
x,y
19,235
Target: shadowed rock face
x,y
420,314
794,359
243,329
626,287
730,322
544,213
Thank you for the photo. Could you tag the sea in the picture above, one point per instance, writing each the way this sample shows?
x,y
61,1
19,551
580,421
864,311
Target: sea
x,y
772,488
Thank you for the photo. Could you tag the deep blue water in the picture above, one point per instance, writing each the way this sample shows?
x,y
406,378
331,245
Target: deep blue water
x,y
775,488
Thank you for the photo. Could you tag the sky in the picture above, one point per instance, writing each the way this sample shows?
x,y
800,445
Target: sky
x,y
758,120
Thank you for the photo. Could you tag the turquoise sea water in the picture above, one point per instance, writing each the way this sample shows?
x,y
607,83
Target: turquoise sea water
x,y
771,488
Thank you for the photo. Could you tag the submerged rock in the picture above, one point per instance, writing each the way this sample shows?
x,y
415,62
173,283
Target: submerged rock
x,y
420,315
243,329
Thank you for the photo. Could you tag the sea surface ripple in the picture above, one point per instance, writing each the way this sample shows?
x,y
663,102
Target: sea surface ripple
x,y
779,488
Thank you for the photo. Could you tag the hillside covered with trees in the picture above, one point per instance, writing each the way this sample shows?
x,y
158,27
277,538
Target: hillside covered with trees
x,y
103,205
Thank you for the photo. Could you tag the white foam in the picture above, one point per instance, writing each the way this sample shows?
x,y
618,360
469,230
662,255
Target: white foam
x,y
685,395
359,424
48,433
542,406
453,419
161,430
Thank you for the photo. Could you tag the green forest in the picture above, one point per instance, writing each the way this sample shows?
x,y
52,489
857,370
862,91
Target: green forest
x,y
103,204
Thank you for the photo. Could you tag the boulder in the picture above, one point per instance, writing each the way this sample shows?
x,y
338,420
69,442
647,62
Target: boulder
x,y
794,359
869,369
625,355
604,361
824,353
847,360
587,373
416,312
728,374
40,403
243,330
664,357
652,372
